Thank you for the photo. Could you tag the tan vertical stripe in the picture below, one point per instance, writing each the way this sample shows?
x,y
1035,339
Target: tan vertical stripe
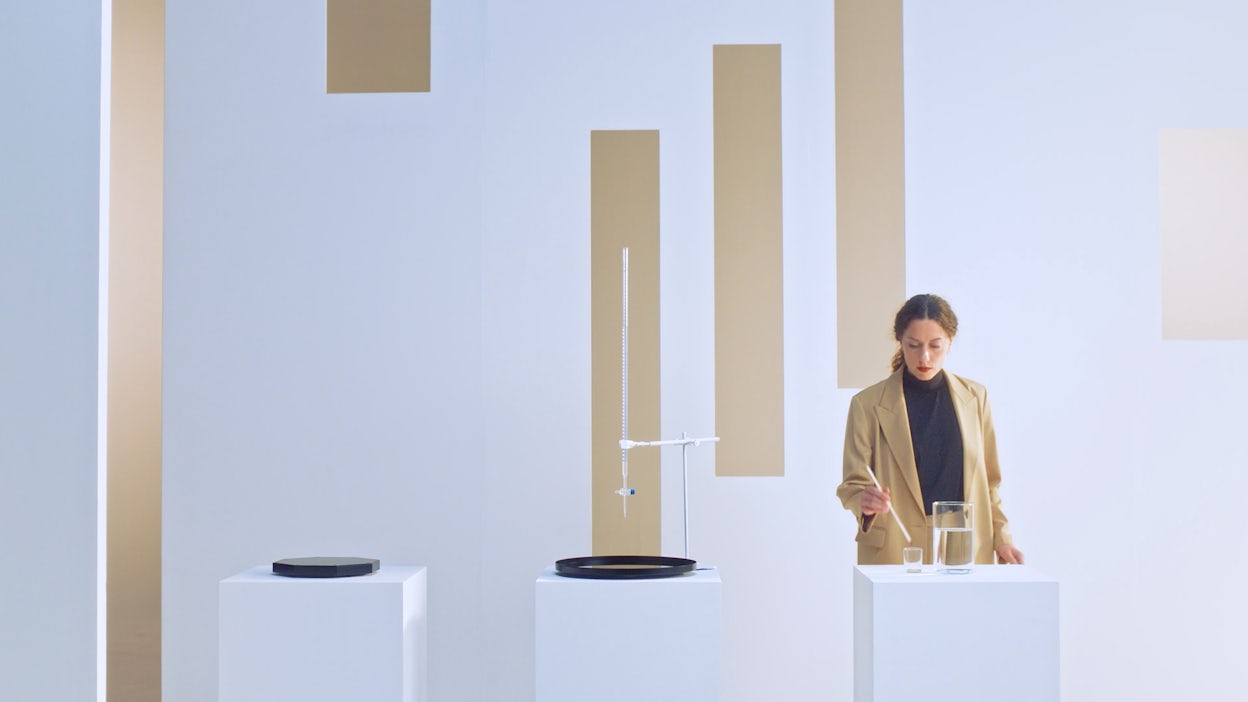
x,y
134,350
749,298
377,46
624,204
870,187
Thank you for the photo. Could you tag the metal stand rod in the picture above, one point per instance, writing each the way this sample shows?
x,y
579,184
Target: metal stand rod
x,y
684,471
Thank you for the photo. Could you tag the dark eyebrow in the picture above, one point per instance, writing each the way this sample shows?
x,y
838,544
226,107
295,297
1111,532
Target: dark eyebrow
x,y
911,338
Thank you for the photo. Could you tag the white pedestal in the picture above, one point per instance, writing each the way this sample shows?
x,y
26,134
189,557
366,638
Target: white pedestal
x,y
313,639
988,635
608,640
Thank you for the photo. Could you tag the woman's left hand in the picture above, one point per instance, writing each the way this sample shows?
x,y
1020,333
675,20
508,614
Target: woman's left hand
x,y
1008,554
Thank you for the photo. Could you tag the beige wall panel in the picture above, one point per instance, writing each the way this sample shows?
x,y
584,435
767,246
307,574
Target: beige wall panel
x,y
1204,233
749,264
624,202
870,187
377,46
134,351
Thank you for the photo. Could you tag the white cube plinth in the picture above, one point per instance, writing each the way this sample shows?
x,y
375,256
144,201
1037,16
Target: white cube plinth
x,y
991,634
322,639
608,640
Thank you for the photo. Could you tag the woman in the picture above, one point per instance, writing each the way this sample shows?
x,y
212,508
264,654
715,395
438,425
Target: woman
x,y
928,436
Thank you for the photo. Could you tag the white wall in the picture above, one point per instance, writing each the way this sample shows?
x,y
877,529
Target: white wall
x,y
556,71
295,283
1032,190
49,307
377,331
322,390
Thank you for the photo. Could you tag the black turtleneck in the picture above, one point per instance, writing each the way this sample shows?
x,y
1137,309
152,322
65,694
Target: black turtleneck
x,y
936,437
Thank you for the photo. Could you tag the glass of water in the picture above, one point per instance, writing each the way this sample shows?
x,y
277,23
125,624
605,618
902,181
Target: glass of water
x,y
953,541
912,559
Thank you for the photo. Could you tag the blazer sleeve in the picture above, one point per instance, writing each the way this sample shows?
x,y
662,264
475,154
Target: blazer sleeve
x,y
859,453
1000,525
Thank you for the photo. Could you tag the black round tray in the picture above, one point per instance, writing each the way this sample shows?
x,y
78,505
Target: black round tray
x,y
624,567
325,567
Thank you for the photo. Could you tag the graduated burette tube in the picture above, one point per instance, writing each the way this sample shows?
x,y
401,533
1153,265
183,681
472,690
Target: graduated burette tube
x,y
624,490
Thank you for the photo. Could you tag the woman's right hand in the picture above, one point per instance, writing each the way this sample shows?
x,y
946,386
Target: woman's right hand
x,y
875,501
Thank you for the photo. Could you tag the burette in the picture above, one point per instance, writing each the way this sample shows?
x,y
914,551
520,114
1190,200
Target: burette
x,y
626,444
624,490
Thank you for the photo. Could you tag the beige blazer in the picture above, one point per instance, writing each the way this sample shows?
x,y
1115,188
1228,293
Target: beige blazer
x,y
877,434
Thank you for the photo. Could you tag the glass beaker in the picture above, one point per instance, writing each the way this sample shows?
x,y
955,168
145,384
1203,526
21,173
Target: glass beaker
x,y
912,559
953,541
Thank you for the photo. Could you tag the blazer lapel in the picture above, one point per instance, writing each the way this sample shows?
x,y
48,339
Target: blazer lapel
x,y
891,413
964,406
